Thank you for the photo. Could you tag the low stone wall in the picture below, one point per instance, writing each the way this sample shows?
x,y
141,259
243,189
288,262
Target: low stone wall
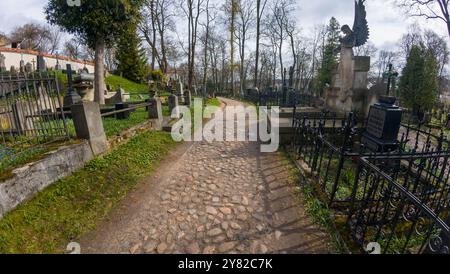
x,y
28,180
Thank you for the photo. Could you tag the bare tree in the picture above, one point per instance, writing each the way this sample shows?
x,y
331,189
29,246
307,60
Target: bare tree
x,y
277,26
73,48
158,20
245,19
260,7
192,10
429,9
32,36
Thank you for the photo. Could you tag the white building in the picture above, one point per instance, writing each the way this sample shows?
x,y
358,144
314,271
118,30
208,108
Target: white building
x,y
13,57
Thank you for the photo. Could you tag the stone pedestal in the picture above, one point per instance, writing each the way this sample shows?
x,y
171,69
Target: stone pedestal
x,y
89,125
348,91
155,113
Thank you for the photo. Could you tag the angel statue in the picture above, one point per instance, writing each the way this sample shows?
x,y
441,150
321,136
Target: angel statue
x,y
360,33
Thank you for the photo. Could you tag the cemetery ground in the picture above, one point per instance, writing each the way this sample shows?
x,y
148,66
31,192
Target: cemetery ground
x,y
151,195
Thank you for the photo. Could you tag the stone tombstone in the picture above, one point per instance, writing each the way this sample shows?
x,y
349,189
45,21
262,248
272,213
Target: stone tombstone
x,y
13,70
155,113
41,65
383,126
22,66
122,115
2,63
187,98
180,89
28,67
173,104
88,125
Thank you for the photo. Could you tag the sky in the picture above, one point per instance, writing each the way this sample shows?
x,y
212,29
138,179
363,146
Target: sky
x,y
387,23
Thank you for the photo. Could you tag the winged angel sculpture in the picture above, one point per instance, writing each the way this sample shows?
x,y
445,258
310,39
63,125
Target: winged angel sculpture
x,y
360,33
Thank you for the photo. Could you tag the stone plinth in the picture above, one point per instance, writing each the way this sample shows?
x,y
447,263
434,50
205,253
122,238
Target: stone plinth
x,y
348,91
89,125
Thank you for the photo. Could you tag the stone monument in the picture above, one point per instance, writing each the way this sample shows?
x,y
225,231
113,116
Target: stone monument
x,y
41,66
2,63
348,91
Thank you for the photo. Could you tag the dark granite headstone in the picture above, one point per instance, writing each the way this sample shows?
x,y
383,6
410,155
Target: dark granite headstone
x,y
22,66
122,115
383,126
41,66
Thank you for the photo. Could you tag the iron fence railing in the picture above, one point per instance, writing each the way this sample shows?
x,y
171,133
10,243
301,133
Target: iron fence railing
x,y
31,115
358,183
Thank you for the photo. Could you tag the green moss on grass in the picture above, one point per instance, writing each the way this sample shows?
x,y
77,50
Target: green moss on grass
x,y
76,204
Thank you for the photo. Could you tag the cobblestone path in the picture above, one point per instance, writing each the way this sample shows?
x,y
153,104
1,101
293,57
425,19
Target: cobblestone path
x,y
221,197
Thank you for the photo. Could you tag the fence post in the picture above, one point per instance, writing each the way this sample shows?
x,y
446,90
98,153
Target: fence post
x,y
347,136
155,113
89,125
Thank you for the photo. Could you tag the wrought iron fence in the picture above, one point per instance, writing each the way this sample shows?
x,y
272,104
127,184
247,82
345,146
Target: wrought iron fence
x,y
370,187
31,115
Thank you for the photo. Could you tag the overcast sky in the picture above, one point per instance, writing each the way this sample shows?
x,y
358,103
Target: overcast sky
x,y
387,24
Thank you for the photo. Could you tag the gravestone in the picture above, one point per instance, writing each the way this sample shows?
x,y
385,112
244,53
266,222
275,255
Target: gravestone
x,y
71,97
22,66
155,113
28,67
41,66
383,126
13,70
122,115
173,104
58,66
187,98
2,63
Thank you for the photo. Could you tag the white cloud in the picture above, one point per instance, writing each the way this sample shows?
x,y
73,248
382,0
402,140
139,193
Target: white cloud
x,y
387,23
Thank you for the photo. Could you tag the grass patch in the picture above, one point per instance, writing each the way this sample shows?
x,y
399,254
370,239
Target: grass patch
x,y
317,209
76,204
129,86
213,102
113,127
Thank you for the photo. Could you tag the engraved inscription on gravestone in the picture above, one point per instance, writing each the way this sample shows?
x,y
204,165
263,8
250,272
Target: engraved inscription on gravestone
x,y
383,126
377,119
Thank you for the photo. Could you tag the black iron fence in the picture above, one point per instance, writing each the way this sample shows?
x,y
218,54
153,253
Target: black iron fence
x,y
397,199
30,115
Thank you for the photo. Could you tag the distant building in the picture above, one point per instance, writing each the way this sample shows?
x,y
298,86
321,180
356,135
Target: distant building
x,y
13,57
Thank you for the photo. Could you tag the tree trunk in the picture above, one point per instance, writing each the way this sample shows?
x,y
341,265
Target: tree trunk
x,y
258,34
99,83
232,30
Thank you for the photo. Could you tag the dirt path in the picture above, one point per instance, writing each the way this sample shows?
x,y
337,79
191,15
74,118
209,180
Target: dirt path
x,y
221,197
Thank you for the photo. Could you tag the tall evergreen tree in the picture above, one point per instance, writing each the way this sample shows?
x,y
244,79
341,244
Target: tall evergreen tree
x,y
329,59
131,59
98,23
419,81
